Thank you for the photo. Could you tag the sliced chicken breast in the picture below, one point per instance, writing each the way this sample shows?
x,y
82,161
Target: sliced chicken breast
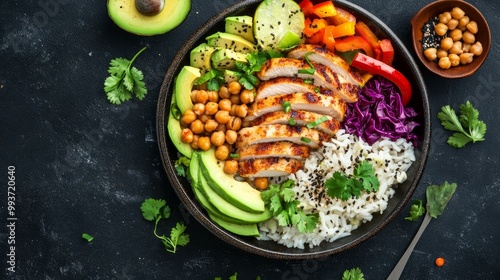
x,y
323,123
284,85
268,167
279,133
310,101
274,149
322,76
321,55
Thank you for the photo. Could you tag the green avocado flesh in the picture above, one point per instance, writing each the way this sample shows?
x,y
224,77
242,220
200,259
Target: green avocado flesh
x,y
183,85
239,229
174,132
126,16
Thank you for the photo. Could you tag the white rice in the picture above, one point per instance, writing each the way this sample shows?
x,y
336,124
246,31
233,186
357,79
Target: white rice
x,y
338,218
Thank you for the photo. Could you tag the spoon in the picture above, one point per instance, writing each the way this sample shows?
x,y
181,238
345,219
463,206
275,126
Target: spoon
x,y
398,269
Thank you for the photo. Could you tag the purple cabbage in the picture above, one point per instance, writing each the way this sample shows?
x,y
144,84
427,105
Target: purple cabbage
x,y
379,112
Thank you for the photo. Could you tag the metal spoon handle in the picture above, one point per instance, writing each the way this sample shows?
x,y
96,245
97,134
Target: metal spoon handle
x,y
398,269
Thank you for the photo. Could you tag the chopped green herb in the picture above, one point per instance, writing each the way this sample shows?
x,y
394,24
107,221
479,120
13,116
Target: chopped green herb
x,y
234,155
317,122
87,237
343,187
308,81
286,106
438,196
308,71
175,111
214,79
292,122
468,127
417,210
353,274
181,165
255,61
305,140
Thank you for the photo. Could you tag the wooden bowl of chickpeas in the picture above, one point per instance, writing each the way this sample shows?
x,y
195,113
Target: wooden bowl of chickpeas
x,y
451,38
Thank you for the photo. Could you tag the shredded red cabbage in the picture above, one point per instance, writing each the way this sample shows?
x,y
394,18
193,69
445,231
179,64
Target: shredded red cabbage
x,y
379,113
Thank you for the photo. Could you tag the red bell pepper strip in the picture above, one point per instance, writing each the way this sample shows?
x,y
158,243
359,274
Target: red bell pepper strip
x,y
387,50
306,6
351,43
374,66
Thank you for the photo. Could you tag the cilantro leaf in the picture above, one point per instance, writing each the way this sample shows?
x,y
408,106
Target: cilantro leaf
x,y
151,208
181,165
467,126
353,274
344,187
124,81
416,210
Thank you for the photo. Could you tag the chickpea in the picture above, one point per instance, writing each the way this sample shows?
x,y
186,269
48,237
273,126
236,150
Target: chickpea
x,y
456,35
247,96
199,108
194,143
469,38
462,23
235,99
201,96
261,183
224,92
441,29
211,108
233,110
222,117
446,43
472,27
222,152
457,13
234,123
444,17
204,118
476,48
221,127
225,104
457,48
218,138
231,136
454,59
442,53
241,111
213,96
234,87
466,58
193,95
204,143
211,125
431,53
197,127
187,135
230,166
466,47
188,117
452,24
444,62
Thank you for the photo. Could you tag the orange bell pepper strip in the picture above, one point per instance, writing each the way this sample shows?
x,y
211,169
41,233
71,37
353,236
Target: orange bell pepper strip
x,y
324,9
329,38
351,43
317,38
342,16
387,51
312,27
344,29
306,6
364,31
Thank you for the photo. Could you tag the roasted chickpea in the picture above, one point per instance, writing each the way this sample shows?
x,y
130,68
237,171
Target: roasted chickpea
x,y
188,117
261,183
213,96
469,38
466,47
441,29
204,118
454,59
444,62
199,109
211,108
221,127
446,43
233,110
472,27
235,99
231,136
218,138
211,125
222,117
247,96
204,143
194,143
230,166
197,127
466,58
224,92
187,135
234,123
225,105
456,35
457,48
431,53
234,87
193,95
241,111
476,48
442,53
462,23
444,17
222,152
452,24
457,13
201,97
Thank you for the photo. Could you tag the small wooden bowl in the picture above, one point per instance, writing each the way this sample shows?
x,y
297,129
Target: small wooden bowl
x,y
433,10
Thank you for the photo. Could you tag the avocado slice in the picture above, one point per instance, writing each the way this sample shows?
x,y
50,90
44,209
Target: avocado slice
x,y
183,86
241,26
226,59
174,132
200,57
239,229
125,14
239,194
224,40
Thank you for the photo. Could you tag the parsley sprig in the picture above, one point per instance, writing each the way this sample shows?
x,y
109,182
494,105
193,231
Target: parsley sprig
x,y
417,210
155,210
280,199
468,127
353,274
344,187
124,80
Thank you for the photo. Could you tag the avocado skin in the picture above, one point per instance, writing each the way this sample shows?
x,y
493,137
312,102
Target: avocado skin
x,y
125,14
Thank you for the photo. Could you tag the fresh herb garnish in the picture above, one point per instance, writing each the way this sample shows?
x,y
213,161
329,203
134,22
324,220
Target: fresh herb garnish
x,y
255,61
155,210
292,122
280,199
214,79
344,187
87,237
286,106
438,196
309,71
317,122
468,127
124,80
353,274
234,155
181,165
305,140
417,210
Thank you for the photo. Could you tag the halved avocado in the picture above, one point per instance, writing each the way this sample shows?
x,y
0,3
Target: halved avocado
x,y
125,14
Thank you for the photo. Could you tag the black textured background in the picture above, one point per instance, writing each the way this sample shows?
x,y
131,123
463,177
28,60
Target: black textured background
x,y
83,165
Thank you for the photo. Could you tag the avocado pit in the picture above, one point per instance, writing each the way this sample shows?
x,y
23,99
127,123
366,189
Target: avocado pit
x,y
149,7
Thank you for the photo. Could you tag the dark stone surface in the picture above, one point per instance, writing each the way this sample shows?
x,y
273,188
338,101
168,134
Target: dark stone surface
x,y
83,165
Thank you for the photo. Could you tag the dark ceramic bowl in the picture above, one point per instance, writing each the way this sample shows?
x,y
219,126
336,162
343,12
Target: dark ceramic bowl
x,y
434,9
403,61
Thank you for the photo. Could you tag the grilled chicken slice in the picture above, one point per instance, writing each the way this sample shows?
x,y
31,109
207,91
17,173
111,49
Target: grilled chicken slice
x,y
279,133
268,167
283,85
323,123
321,55
274,149
310,101
322,76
